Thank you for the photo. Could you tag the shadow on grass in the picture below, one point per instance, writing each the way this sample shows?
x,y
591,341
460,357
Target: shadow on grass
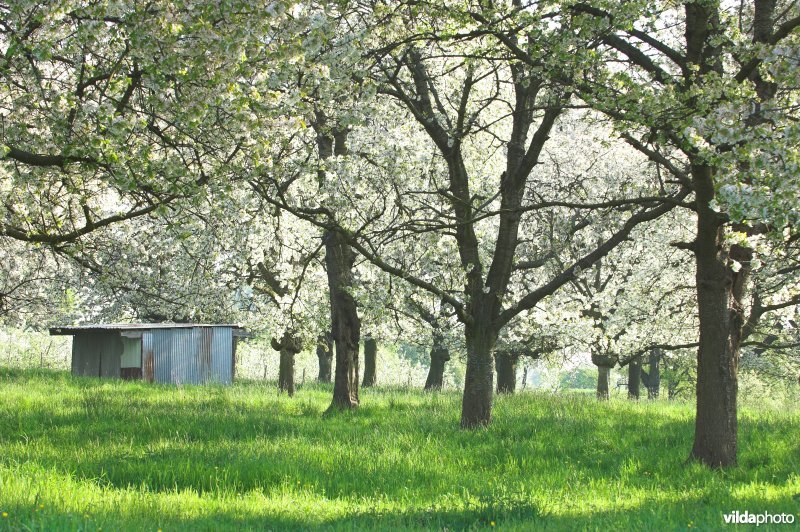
x,y
207,444
400,446
703,514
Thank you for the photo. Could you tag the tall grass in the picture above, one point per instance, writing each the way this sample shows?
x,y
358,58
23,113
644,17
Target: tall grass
x,y
78,453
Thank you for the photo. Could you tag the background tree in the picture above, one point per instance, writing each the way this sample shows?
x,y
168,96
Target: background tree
x,y
324,352
288,346
370,362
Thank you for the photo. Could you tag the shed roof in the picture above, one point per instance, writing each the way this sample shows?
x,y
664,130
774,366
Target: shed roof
x,y
72,329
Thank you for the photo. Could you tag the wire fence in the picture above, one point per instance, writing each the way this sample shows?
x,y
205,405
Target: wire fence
x,y
34,349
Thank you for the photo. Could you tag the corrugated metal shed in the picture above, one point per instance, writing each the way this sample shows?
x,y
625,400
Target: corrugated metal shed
x,y
97,354
163,352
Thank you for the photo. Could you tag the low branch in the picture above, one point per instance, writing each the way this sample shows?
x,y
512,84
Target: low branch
x,y
71,236
44,161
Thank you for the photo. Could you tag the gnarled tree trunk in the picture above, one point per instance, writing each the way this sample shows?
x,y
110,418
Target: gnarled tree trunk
x,y
634,377
346,326
604,363
654,375
439,357
288,347
476,406
506,365
603,373
325,356
370,355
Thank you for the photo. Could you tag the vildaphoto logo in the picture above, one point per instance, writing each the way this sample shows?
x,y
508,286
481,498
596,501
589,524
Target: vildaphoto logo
x,y
764,518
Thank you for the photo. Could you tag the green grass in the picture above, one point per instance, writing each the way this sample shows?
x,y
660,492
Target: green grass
x,y
85,454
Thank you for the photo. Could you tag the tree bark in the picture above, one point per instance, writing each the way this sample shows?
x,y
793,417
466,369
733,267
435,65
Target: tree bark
x,y
603,373
604,363
634,378
346,326
654,376
288,347
370,355
325,356
719,301
286,372
506,365
476,406
439,357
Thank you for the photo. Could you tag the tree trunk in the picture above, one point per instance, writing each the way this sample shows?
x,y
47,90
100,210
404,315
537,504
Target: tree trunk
x,y
286,372
339,260
719,294
634,378
603,373
476,406
370,355
506,365
325,356
439,357
654,376
288,347
346,326
604,362
672,386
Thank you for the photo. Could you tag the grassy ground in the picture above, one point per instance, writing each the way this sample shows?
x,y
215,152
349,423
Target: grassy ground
x,y
87,454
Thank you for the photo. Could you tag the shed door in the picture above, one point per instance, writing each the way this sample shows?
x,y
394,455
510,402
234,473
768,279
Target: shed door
x,y
131,362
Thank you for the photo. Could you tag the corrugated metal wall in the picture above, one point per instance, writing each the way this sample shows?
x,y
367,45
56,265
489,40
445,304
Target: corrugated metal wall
x,y
191,356
148,372
222,355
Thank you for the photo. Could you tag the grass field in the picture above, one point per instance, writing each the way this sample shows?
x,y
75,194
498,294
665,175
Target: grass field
x,y
86,454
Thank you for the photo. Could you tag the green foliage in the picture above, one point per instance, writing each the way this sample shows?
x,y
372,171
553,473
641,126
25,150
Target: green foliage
x,y
81,453
579,378
413,352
